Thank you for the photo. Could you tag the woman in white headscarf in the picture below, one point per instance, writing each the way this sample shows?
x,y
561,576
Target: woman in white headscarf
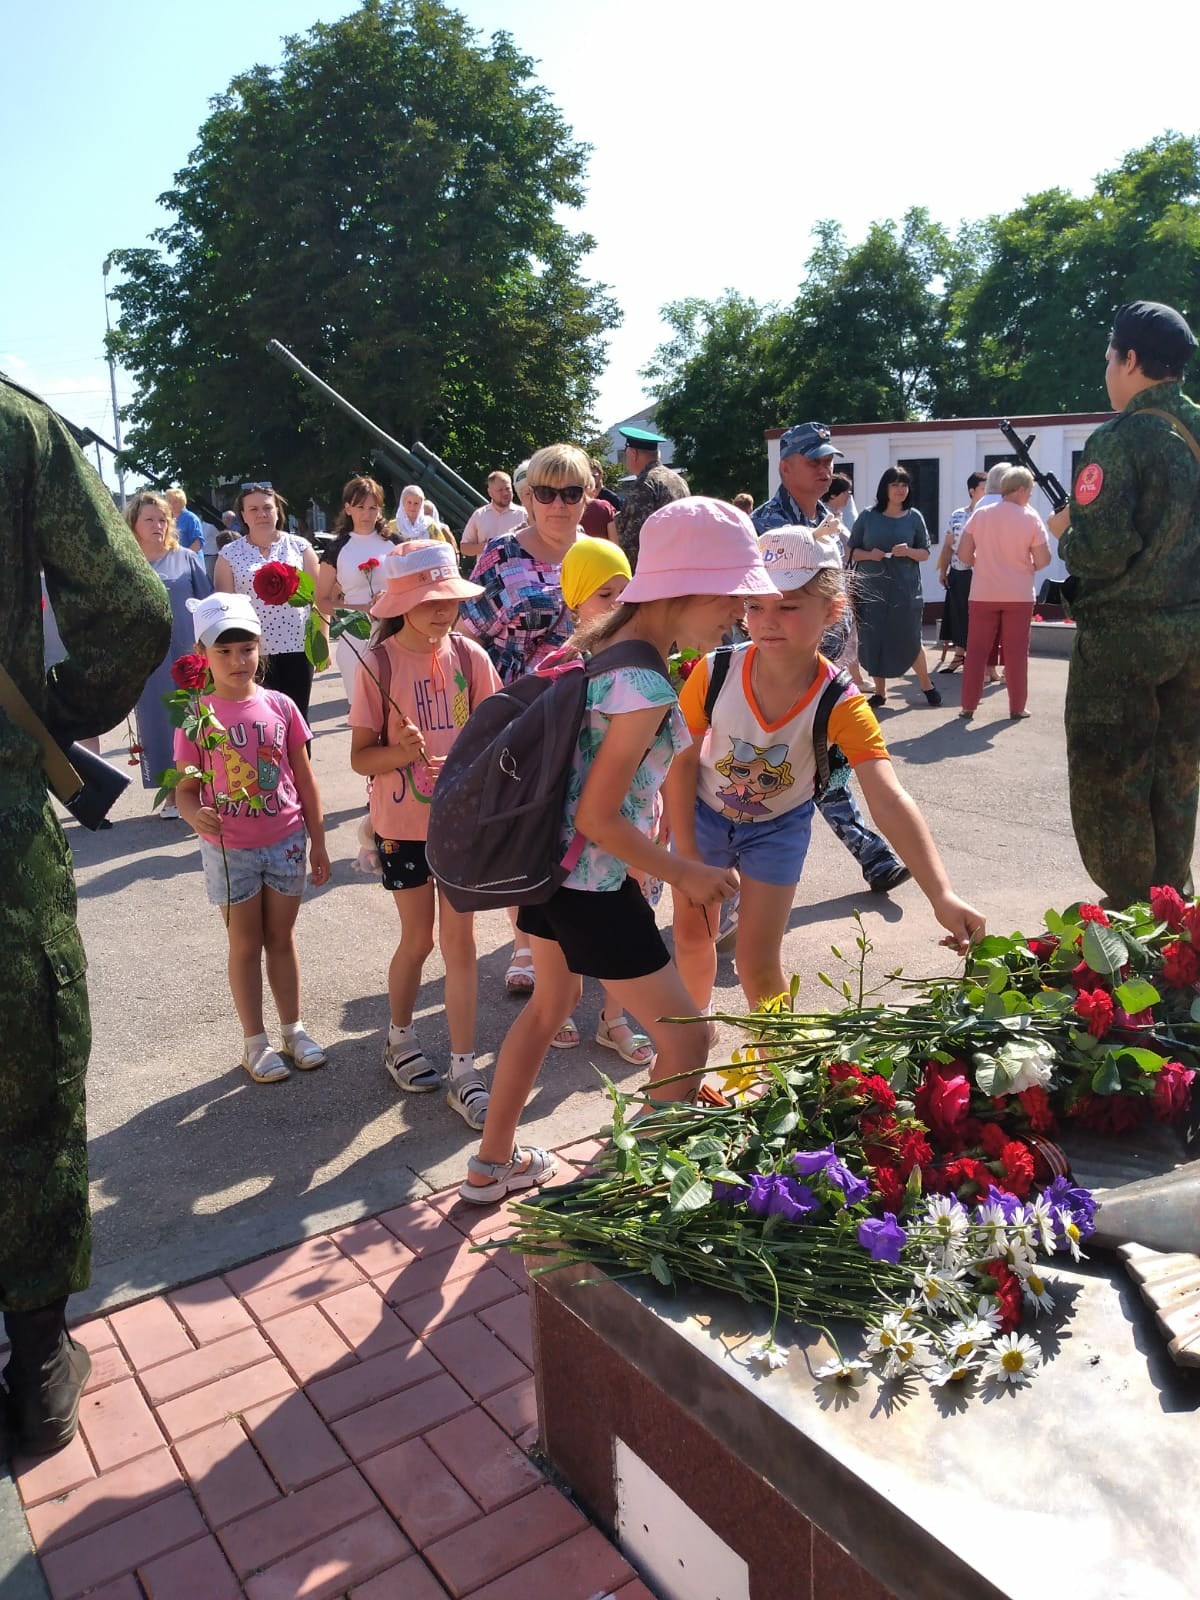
x,y
411,521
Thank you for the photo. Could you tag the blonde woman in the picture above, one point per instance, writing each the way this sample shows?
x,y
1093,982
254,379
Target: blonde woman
x,y
184,578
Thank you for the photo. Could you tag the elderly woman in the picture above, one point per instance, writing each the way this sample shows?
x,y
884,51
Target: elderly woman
x,y
887,545
521,616
1004,545
262,510
183,576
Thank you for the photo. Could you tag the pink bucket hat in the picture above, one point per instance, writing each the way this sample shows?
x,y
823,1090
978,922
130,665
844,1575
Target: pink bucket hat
x,y
423,569
697,546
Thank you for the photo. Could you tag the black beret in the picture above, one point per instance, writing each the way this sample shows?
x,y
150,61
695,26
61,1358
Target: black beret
x,y
1156,332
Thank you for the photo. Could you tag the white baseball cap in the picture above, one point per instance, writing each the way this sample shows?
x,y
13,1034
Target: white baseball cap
x,y
794,556
216,612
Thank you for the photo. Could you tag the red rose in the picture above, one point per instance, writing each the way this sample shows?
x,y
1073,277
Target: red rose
x,y
1181,965
1172,1092
993,1139
1191,923
889,1186
1017,1161
1097,1011
1167,905
276,582
1036,1105
1094,914
189,672
686,668
942,1102
1110,1113
1082,977
1043,949
368,565
1005,1286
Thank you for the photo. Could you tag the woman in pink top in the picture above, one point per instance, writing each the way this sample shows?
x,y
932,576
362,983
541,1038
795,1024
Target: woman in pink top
x,y
1004,544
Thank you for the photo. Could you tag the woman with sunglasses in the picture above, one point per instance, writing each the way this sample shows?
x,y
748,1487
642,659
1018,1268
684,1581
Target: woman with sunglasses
x,y
520,617
262,510
887,546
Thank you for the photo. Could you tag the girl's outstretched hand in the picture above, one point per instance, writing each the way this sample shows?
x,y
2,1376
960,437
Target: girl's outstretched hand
x,y
963,923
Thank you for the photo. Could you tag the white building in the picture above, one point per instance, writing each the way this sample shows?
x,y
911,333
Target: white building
x,y
939,457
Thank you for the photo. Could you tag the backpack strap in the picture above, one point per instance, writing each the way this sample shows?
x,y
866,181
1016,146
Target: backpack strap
x,y
722,660
1184,433
830,695
629,653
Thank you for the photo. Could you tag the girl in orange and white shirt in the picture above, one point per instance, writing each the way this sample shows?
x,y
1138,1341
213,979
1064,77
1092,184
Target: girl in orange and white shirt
x,y
742,796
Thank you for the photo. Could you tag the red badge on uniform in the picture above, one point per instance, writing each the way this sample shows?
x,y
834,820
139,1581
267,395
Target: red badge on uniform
x,y
1089,483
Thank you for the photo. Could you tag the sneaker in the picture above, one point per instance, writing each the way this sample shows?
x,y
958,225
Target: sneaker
x,y
406,1065
170,812
469,1097
890,880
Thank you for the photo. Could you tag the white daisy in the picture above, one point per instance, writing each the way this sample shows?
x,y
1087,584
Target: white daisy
x,y
1036,1292
884,1339
849,1373
954,1369
947,1216
769,1353
1070,1232
991,1222
938,1289
988,1312
1022,1240
968,1336
1014,1358
1041,1214
908,1354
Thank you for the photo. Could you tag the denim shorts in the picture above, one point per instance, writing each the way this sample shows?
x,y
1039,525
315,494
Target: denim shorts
x,y
280,866
769,852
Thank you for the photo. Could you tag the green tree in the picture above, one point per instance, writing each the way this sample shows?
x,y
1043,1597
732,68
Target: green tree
x,y
385,203
714,380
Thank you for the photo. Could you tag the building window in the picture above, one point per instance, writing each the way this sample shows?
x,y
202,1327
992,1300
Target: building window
x,y
926,475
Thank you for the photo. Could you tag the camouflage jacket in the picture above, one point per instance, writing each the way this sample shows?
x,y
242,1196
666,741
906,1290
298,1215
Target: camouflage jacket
x,y
1134,538
781,511
653,487
112,610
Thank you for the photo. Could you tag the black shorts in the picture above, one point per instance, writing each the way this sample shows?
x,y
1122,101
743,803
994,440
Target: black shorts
x,y
404,863
609,934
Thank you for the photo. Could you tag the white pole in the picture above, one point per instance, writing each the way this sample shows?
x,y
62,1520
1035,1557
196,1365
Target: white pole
x,y
112,382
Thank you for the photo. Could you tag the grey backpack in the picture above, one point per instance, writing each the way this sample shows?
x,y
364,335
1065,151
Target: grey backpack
x,y
495,822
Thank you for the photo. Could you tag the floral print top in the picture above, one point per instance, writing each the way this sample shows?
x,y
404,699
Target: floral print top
x,y
609,695
520,617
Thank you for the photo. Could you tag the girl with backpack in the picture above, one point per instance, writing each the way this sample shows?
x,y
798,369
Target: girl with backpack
x,y
402,728
698,559
741,796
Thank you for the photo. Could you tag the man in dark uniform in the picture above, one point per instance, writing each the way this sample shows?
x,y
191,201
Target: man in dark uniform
x,y
1131,537
806,455
112,612
656,486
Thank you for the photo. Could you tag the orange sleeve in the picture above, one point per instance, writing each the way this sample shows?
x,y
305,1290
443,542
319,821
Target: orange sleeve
x,y
691,699
855,731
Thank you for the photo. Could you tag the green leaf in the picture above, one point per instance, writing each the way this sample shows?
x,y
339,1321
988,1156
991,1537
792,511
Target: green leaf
x,y
689,1191
1056,926
624,1141
1194,1012
724,1175
1104,950
316,646
990,1076
1107,1077
305,592
899,1077
998,981
1143,1060
660,1269
782,1120
1136,995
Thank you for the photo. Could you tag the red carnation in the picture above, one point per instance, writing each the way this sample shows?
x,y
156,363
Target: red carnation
x,y
993,1139
1191,923
1005,1286
1110,1113
1036,1104
1094,914
189,672
369,565
914,1151
1082,977
1167,905
889,1186
276,582
879,1091
1181,965
1097,1011
1172,1092
942,1102
879,1134
1043,949
1017,1161
839,1071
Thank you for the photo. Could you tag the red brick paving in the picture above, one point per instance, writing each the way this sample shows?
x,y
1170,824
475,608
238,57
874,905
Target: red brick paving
x,y
350,1417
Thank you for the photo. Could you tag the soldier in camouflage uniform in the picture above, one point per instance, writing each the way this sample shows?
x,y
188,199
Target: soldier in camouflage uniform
x,y
805,470
1133,544
656,486
112,612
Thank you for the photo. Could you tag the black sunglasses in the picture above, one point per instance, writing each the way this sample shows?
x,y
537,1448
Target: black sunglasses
x,y
259,488
571,495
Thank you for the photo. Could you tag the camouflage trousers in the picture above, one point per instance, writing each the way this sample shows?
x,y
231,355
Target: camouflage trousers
x,y
1133,751
872,852
45,1037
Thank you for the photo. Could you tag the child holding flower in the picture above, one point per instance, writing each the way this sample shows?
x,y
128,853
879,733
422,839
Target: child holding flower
x,y
252,819
348,576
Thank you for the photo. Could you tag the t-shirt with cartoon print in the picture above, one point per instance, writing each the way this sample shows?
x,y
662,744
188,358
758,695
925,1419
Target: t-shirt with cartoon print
x,y
610,694
252,766
752,770
437,691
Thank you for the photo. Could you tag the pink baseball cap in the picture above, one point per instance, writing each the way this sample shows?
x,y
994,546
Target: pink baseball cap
x,y
422,569
697,546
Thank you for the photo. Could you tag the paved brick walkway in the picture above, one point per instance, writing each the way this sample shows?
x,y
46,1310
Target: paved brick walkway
x,y
351,1416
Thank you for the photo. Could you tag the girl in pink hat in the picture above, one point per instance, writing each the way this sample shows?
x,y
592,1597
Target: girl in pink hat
x,y
402,728
698,559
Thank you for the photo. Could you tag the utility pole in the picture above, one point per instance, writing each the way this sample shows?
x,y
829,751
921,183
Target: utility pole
x,y
112,383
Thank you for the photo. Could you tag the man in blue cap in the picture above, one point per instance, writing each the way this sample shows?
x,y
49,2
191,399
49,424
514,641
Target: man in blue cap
x,y
656,486
806,455
1131,539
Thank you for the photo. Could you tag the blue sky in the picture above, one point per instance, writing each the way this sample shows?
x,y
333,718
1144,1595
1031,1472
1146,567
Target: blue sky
x,y
721,133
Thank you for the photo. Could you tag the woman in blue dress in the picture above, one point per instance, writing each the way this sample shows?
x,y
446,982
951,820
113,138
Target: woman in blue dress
x,y
887,545
183,575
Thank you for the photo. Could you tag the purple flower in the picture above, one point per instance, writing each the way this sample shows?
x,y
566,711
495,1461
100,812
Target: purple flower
x,y
809,1162
792,1200
826,1163
762,1187
882,1237
730,1193
1008,1203
1080,1203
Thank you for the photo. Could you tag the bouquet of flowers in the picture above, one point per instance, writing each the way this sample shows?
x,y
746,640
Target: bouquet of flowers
x,y
889,1165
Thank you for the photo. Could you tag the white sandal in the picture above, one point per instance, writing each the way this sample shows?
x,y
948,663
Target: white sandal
x,y
406,1065
629,1052
539,1165
519,978
469,1097
267,1066
303,1052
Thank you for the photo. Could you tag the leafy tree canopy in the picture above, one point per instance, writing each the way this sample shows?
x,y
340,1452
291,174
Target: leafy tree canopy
x,y
385,204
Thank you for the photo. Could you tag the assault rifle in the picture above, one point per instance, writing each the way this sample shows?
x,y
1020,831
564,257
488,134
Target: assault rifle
x,y
1046,481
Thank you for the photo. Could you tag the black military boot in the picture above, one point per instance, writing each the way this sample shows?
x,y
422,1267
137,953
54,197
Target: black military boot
x,y
45,1376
